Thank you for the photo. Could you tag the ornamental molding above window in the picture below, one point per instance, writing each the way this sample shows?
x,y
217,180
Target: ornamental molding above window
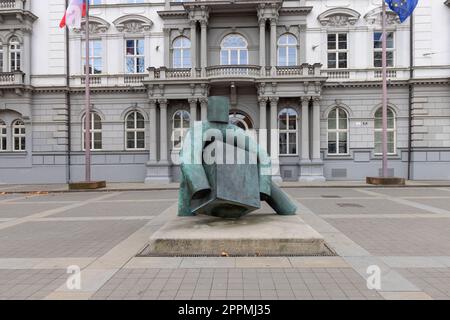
x,y
96,26
133,24
339,17
374,17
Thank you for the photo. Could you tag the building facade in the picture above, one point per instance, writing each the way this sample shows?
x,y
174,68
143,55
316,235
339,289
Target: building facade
x,y
303,76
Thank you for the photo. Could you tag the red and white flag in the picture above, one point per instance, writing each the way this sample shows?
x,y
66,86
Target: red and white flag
x,y
74,13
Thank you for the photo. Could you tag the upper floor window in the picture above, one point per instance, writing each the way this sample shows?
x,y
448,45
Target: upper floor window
x,y
3,142
95,57
182,53
15,51
391,131
337,50
378,49
181,123
234,50
135,1
287,50
94,2
337,131
135,58
287,125
135,130
18,128
95,131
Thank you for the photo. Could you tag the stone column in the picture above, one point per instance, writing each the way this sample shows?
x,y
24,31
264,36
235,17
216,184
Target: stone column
x,y
204,47
194,46
263,122
262,44
153,143
5,59
305,129
163,156
274,139
316,130
273,45
204,109
193,110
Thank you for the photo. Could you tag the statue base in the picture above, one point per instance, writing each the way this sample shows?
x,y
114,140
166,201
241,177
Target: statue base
x,y
256,234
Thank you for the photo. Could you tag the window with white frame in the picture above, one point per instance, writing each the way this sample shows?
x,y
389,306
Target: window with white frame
x,y
287,125
181,123
234,50
15,54
135,56
95,131
337,50
135,131
287,50
18,128
391,131
182,53
3,136
337,132
95,56
378,49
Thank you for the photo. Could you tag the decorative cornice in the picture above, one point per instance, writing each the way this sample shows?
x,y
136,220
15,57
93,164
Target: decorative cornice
x,y
339,17
133,24
375,17
295,11
173,14
96,25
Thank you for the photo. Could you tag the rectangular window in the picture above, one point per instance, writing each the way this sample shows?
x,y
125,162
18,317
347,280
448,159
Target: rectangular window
x,y
337,50
135,59
378,49
95,56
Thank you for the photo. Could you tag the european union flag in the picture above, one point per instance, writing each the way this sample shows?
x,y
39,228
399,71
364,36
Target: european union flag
x,y
404,8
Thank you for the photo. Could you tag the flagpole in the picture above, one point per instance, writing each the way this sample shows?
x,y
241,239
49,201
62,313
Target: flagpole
x,y
385,93
87,135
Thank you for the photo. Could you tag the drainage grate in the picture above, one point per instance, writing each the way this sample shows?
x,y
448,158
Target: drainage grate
x,y
350,205
330,196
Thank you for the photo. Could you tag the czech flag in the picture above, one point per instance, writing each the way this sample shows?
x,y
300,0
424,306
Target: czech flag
x,y
74,13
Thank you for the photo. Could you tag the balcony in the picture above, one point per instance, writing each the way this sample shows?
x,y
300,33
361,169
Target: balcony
x,y
11,78
121,80
11,5
373,74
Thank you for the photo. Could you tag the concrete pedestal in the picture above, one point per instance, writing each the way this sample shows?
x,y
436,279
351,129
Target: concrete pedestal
x,y
257,234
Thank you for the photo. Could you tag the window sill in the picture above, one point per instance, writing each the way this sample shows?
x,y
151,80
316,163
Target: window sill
x,y
13,153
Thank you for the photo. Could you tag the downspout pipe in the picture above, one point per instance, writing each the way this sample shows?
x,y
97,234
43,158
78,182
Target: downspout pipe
x,y
411,93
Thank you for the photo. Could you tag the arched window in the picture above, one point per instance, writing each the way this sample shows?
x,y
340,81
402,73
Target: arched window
x,y
391,131
95,132
234,50
15,52
18,128
182,53
3,142
181,123
241,120
287,50
287,125
135,130
337,131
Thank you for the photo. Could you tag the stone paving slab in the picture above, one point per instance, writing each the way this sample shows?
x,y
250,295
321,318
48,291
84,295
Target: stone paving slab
x,y
16,210
64,239
438,203
398,237
435,282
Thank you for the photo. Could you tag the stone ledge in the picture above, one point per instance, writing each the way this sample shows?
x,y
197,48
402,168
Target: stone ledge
x,y
256,234
386,181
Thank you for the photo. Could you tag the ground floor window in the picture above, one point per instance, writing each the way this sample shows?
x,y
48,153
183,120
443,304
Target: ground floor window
x,y
287,124
391,131
3,142
19,135
135,131
95,131
337,132
181,122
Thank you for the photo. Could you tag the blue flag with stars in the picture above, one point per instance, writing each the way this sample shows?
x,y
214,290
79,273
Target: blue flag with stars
x,y
404,8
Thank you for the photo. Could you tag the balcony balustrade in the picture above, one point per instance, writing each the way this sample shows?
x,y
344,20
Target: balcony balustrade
x,y
11,4
11,78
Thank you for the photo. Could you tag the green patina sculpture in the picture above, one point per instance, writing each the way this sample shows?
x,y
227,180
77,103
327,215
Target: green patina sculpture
x,y
225,173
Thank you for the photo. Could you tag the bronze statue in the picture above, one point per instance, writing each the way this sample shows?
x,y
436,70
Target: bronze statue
x,y
225,173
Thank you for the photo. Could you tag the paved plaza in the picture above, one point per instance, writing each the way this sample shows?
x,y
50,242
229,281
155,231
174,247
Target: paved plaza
x,y
405,232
